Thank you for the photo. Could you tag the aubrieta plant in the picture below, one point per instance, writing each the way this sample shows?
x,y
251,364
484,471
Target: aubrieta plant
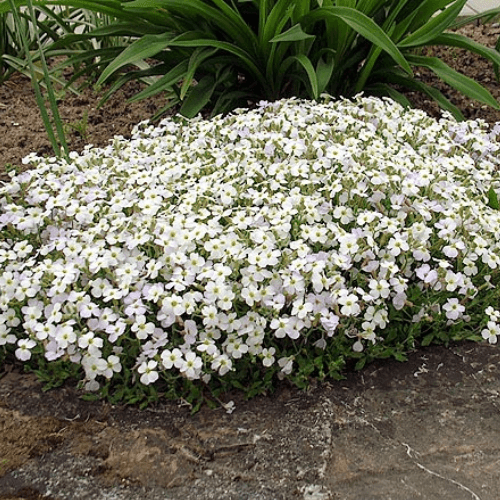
x,y
278,243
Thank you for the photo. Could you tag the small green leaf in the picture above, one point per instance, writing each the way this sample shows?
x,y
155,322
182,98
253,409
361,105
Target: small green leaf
x,y
427,340
493,199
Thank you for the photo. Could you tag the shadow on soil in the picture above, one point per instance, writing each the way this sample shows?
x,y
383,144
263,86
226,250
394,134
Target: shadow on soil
x,y
425,429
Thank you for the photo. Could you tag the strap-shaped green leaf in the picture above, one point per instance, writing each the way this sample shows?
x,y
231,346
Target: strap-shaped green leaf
x,y
382,89
275,21
324,70
424,10
305,62
399,78
294,34
198,97
485,16
165,82
434,27
197,58
462,83
454,40
365,26
147,46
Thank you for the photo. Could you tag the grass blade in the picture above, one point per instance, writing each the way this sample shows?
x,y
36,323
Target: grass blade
x,y
294,34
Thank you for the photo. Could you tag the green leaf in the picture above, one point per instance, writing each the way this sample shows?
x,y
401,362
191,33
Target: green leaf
x,y
324,71
485,16
455,40
360,364
163,83
305,62
493,199
381,89
147,46
198,97
197,58
427,340
496,66
365,26
294,34
434,27
275,21
462,83
401,79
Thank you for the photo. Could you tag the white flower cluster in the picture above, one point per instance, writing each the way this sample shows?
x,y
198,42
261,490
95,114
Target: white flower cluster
x,y
197,243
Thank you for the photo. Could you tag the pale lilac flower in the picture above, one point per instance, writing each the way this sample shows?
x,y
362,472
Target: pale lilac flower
x,y
23,352
454,309
148,372
191,365
491,332
171,358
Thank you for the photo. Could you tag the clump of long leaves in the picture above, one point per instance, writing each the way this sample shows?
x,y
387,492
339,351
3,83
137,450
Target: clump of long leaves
x,y
238,51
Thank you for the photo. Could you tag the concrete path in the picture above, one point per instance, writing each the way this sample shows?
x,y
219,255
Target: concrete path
x,y
477,6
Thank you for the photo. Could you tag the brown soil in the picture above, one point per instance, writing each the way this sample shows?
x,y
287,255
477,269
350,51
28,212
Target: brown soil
x,y
427,428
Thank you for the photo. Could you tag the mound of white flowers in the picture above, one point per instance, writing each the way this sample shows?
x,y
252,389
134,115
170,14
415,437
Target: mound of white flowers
x,y
261,239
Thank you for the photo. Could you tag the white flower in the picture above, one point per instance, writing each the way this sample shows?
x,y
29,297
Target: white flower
x,y
491,332
23,351
350,306
191,365
149,375
330,322
94,366
222,363
142,328
170,358
113,366
454,309
268,356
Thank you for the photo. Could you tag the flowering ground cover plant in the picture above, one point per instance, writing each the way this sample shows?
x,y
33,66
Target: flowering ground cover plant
x,y
281,242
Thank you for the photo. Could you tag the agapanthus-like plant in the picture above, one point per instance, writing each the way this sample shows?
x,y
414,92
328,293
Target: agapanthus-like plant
x,y
220,54
274,243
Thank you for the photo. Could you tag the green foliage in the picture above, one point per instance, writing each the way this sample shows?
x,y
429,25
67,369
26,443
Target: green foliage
x,y
219,54
53,124
30,39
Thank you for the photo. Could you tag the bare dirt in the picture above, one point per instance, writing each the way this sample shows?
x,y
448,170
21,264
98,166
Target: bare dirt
x,y
428,428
